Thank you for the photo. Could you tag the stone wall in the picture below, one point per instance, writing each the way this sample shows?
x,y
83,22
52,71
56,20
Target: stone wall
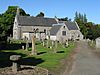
x,y
61,37
98,42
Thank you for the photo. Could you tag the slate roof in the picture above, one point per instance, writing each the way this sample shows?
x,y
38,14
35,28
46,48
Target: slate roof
x,y
40,21
70,25
55,29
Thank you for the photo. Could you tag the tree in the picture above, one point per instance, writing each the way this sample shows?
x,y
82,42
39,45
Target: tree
x,y
95,31
81,17
81,20
76,16
64,19
7,20
84,18
41,14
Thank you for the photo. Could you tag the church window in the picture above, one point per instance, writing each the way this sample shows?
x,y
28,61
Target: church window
x,y
64,33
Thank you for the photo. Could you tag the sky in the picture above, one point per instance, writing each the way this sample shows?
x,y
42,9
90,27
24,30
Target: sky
x,y
59,8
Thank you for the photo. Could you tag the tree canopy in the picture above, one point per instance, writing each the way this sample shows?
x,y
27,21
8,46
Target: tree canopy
x,y
41,14
88,29
7,20
64,19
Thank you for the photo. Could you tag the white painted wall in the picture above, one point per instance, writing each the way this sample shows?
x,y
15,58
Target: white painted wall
x,y
53,38
25,35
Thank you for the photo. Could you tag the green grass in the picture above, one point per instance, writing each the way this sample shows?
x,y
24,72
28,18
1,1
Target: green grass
x,y
51,60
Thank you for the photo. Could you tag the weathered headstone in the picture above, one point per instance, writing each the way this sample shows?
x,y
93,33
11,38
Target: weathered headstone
x,y
53,43
48,41
27,44
55,47
33,46
67,43
98,42
23,47
43,42
15,64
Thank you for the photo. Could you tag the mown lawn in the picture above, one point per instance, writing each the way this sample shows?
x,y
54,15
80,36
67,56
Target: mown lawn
x,y
46,57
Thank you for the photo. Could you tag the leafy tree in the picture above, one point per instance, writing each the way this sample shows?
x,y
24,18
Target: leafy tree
x,y
81,20
64,19
95,32
88,29
41,14
7,20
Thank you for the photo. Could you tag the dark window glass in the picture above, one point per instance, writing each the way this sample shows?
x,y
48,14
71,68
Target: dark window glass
x,y
63,32
45,30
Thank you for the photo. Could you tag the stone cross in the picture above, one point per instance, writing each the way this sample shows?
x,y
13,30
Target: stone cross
x,y
33,46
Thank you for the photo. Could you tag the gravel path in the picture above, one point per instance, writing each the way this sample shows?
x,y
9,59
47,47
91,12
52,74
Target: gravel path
x,y
86,62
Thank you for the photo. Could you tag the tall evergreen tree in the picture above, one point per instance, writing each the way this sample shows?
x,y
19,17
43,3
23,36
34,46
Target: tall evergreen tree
x,y
76,15
84,18
81,20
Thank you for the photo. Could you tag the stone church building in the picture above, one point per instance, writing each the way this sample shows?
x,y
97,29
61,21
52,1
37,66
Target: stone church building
x,y
42,28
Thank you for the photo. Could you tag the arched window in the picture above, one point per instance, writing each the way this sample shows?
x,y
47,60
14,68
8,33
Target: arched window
x,y
37,30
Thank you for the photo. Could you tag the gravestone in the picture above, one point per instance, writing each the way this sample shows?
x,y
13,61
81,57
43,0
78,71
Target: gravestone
x,y
48,41
67,43
98,42
27,43
55,47
43,42
15,64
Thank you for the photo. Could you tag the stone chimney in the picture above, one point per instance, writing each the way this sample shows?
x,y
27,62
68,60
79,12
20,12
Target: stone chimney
x,y
56,19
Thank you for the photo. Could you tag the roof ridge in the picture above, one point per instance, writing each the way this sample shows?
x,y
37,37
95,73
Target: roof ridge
x,y
31,20
36,17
